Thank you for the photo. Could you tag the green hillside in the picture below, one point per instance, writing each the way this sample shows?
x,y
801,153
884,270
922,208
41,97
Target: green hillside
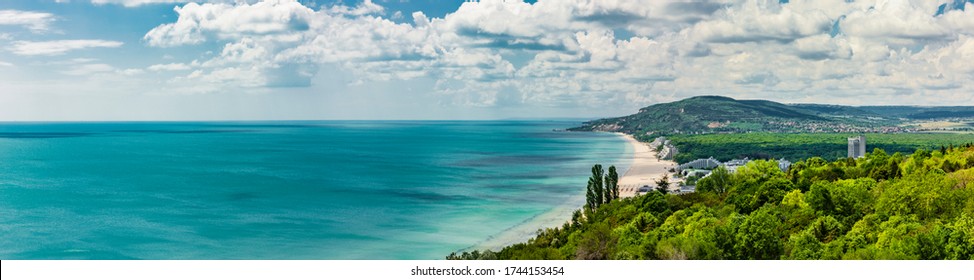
x,y
883,206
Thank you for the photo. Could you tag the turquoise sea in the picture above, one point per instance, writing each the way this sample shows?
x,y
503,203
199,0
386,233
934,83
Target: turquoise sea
x,y
283,190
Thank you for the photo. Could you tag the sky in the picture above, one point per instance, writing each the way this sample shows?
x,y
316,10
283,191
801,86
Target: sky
x,y
116,60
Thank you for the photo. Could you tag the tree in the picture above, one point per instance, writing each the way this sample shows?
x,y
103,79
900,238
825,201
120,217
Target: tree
x,y
819,197
611,184
598,187
795,199
949,166
576,218
596,243
804,246
602,187
757,238
826,229
960,241
772,191
663,184
590,195
718,181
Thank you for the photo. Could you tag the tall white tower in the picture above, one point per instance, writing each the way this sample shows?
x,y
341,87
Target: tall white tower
x,y
857,146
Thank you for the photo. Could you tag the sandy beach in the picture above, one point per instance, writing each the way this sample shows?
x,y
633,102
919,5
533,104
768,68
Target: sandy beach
x,y
644,169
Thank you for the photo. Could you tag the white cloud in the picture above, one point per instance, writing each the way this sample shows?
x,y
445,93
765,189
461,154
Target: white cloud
x,y
35,21
88,69
6,64
572,53
80,60
133,3
130,72
364,8
169,67
761,20
58,47
223,21
136,3
823,46
896,22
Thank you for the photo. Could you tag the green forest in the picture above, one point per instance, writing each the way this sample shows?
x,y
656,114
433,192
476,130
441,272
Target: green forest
x,y
800,146
882,206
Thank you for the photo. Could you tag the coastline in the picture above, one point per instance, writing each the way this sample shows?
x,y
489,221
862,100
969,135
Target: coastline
x,y
528,229
643,168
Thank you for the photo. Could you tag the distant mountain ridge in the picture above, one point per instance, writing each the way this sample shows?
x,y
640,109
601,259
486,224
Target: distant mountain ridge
x,y
720,114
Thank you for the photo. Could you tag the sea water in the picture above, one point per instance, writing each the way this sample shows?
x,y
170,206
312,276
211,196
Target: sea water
x,y
284,190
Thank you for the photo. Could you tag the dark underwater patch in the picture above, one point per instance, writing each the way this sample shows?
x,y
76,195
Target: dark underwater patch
x,y
174,131
427,196
518,159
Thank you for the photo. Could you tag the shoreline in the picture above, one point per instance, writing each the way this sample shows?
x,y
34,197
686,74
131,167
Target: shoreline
x,y
643,168
528,229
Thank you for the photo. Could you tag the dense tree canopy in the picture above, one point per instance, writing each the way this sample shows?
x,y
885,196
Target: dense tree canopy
x,y
881,206
800,146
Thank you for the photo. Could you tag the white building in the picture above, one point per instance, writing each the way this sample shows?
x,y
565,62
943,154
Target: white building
x,y
857,146
734,164
702,163
669,151
657,142
783,164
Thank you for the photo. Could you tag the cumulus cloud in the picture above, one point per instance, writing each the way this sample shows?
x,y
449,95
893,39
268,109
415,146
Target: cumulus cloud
x,y
196,23
58,47
136,3
133,3
822,46
35,21
169,67
364,8
761,20
571,53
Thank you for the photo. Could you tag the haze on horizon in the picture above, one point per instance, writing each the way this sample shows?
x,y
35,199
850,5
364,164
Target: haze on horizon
x,y
493,59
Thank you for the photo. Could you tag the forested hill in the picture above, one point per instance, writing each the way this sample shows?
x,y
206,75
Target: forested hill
x,y
882,206
704,114
714,114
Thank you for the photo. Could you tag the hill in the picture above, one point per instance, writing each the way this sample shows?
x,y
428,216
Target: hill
x,y
718,114
886,207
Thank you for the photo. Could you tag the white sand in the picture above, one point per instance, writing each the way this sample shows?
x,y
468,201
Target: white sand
x,y
644,169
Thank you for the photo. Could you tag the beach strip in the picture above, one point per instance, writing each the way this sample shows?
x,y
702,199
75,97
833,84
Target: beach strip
x,y
644,170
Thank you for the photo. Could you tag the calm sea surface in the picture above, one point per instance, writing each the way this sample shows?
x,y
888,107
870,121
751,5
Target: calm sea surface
x,y
283,190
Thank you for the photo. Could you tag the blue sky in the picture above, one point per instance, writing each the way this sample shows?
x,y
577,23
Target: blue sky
x,y
427,59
